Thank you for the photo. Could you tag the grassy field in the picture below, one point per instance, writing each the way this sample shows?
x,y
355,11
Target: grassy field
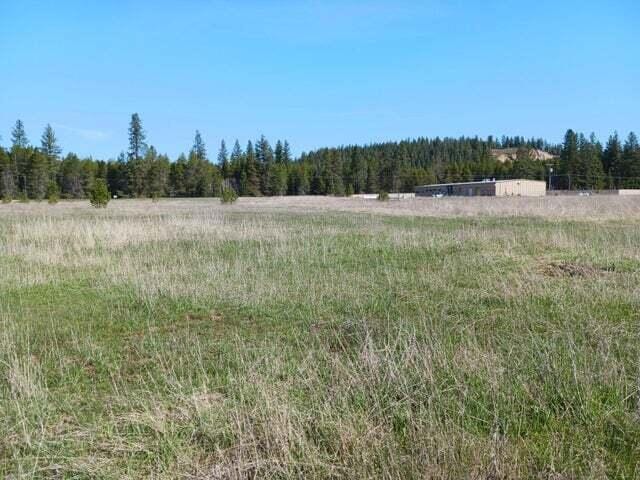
x,y
321,338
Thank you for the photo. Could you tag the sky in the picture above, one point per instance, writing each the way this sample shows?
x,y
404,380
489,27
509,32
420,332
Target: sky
x,y
317,73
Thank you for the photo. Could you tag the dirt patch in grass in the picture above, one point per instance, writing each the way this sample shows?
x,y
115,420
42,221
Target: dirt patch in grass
x,y
203,317
573,269
186,321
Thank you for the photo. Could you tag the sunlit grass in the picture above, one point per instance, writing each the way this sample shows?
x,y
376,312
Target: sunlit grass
x,y
321,338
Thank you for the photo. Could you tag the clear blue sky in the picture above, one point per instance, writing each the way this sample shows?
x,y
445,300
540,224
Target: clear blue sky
x,y
318,73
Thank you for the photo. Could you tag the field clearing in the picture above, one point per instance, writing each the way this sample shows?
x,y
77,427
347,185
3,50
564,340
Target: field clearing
x,y
595,208
306,337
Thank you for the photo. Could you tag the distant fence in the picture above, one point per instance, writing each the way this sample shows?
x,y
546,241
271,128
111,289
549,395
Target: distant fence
x,y
392,196
577,193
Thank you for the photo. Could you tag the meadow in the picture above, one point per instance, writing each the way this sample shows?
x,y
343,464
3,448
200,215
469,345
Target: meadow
x,y
321,338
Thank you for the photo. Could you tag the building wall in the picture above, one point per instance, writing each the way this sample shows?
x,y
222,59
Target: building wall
x,y
505,188
521,188
480,189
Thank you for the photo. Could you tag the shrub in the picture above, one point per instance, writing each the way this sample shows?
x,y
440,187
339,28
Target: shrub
x,y
99,194
228,195
23,197
383,196
53,193
348,191
6,198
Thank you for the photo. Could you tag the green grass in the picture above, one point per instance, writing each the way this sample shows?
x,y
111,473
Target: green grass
x,y
238,344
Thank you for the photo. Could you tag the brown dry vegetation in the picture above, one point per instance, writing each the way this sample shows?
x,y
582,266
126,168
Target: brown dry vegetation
x,y
606,207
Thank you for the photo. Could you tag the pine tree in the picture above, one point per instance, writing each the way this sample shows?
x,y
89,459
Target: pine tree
x,y
177,178
317,186
278,179
159,172
139,172
38,176
371,185
612,159
595,171
358,171
50,149
49,143
631,162
569,157
228,194
199,180
197,175
223,160
99,194
580,172
264,158
137,169
278,152
71,177
251,176
118,177
236,167
236,154
19,136
20,156
199,150
286,153
53,192
588,172
466,174
137,138
332,175
610,182
88,173
279,174
7,176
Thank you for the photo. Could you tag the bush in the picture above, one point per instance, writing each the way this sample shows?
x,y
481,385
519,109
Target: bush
x,y
228,195
23,197
6,198
99,194
53,193
348,191
383,196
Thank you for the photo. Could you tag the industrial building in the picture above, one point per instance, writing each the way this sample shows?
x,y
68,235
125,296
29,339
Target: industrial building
x,y
485,188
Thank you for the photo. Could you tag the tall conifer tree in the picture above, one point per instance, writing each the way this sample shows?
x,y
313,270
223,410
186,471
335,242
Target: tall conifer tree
x,y
51,150
631,162
251,174
569,157
199,148
20,155
223,161
137,138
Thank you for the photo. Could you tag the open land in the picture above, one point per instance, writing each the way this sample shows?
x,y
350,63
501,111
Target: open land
x,y
309,337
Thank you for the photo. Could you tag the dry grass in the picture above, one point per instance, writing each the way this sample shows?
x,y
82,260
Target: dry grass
x,y
321,338
605,207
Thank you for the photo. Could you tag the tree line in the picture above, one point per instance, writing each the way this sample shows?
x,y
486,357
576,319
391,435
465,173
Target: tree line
x,y
580,162
258,169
